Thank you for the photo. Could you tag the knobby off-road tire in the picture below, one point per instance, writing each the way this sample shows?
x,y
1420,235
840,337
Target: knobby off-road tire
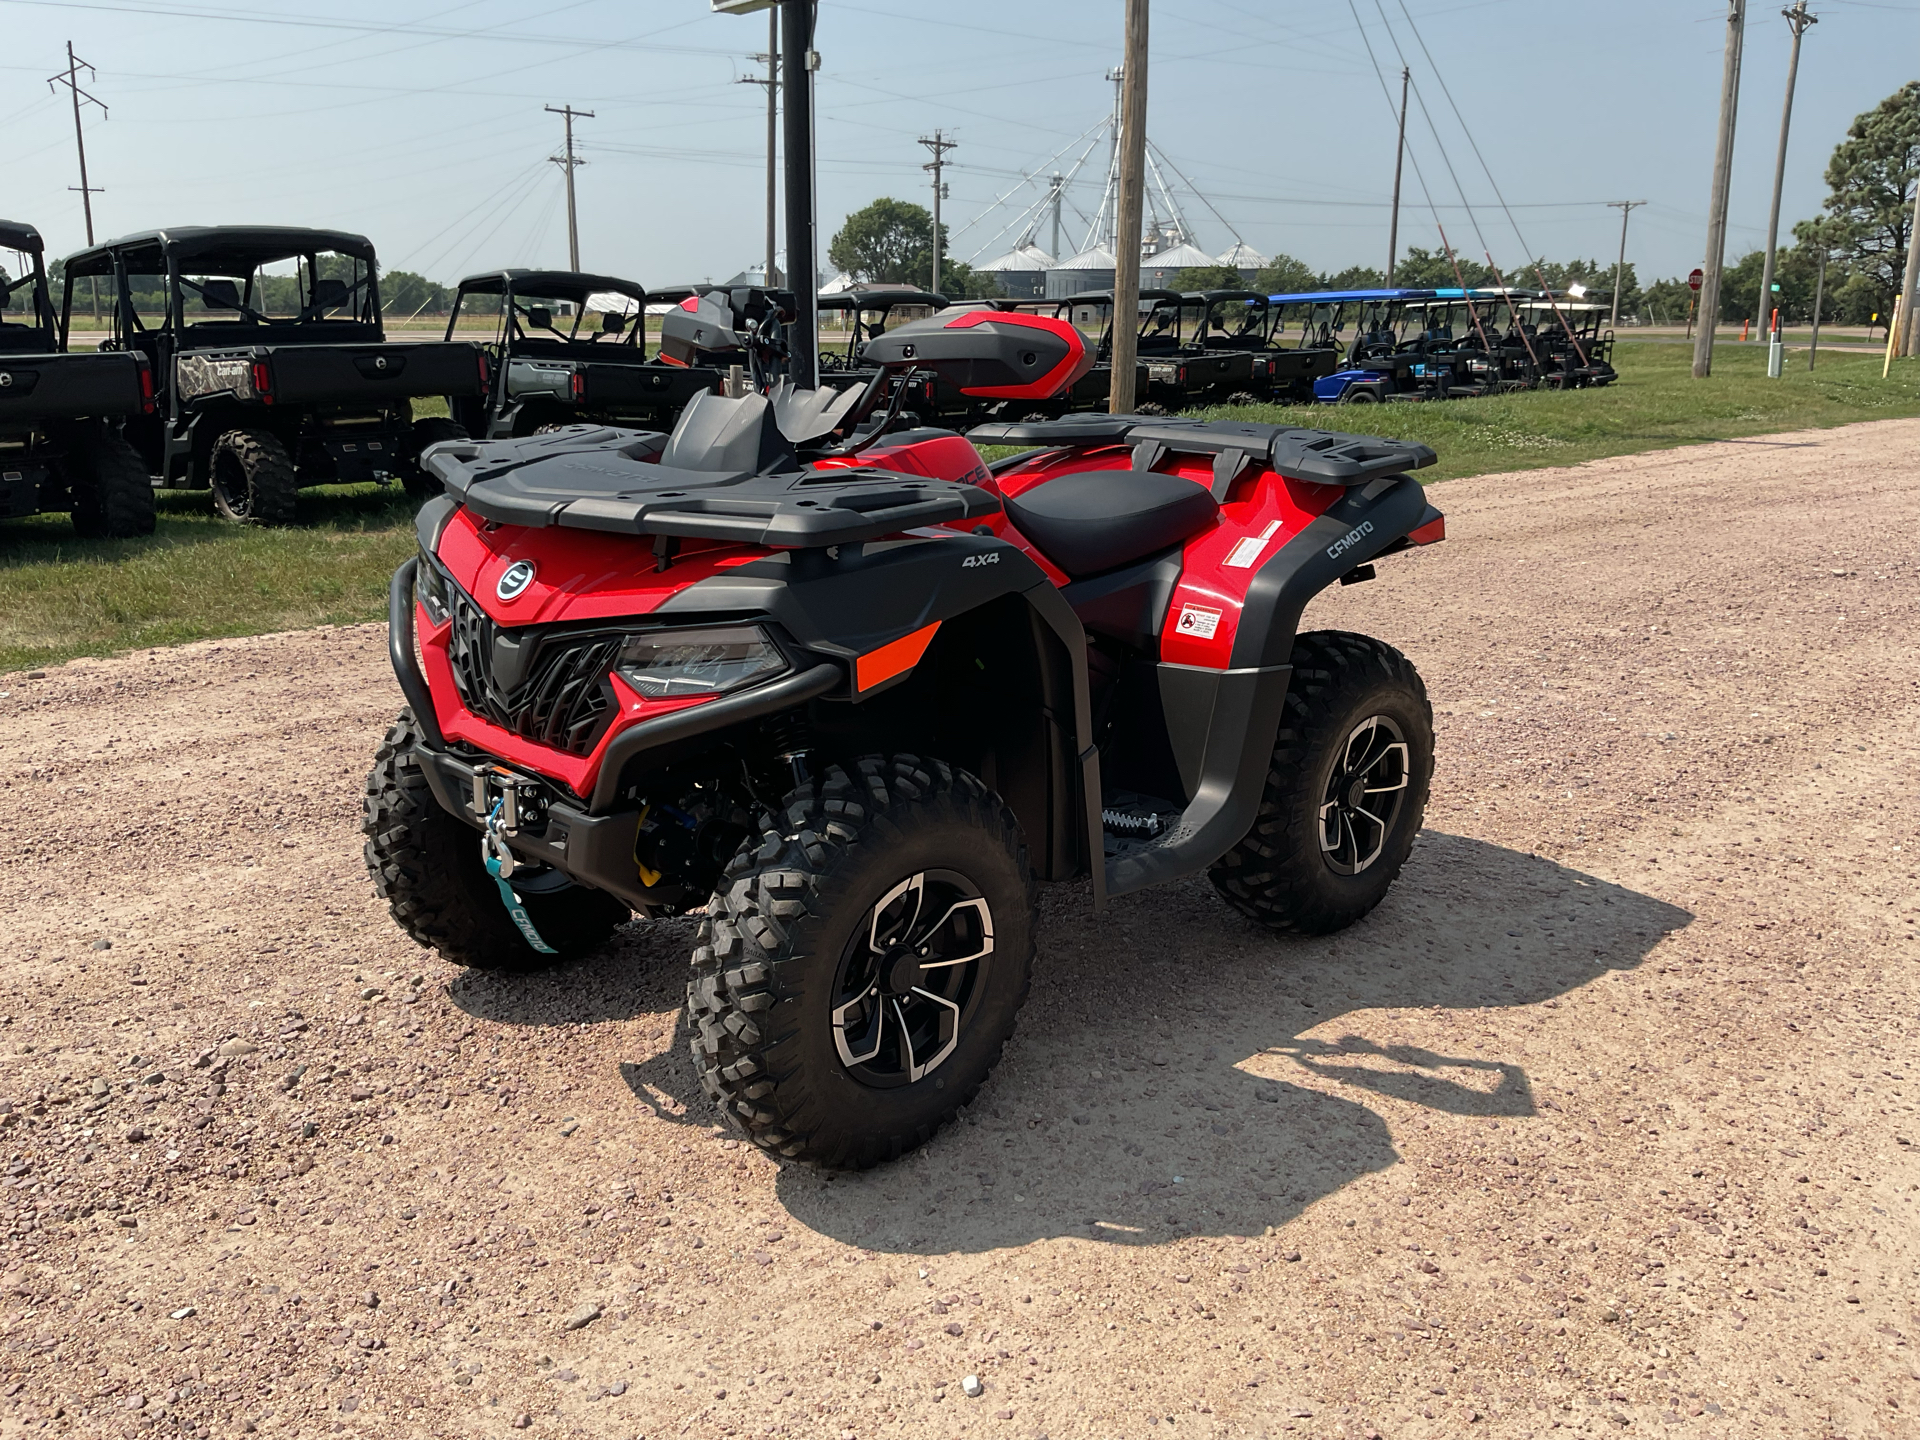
x,y
426,865
415,478
1356,715
789,943
252,478
109,486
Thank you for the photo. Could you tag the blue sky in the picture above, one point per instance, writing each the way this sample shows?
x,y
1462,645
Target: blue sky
x,y
420,122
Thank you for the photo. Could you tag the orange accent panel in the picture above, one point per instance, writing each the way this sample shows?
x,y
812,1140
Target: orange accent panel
x,y
878,666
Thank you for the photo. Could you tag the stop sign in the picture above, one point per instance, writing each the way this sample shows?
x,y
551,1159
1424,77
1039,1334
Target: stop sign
x,y
1693,280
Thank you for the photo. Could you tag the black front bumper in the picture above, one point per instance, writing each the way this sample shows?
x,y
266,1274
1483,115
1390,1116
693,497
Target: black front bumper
x,y
592,842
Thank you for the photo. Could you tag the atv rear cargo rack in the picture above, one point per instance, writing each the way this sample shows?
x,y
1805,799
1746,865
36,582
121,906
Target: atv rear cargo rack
x,y
1325,457
609,480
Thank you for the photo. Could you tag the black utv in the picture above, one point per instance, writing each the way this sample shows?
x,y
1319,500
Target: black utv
x,y
272,363
567,348
60,414
1283,367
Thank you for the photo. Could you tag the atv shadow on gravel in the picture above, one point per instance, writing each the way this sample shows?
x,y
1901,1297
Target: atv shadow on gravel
x,y
1173,1038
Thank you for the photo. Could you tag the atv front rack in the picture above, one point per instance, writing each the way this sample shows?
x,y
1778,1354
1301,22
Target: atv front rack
x,y
1325,457
610,480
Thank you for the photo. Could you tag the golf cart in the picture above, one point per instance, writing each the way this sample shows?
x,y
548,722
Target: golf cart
x,y
1575,350
61,414
272,364
1380,364
566,348
849,692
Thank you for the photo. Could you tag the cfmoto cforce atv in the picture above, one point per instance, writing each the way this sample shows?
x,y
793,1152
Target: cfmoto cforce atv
x,y
853,692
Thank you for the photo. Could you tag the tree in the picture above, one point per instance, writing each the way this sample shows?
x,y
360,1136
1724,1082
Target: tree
x,y
1870,182
1284,275
890,242
404,293
1210,277
1354,277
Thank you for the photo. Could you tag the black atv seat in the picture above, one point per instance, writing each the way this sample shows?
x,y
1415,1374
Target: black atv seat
x,y
1097,520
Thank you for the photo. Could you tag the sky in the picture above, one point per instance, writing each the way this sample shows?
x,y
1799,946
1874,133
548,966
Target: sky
x,y
421,123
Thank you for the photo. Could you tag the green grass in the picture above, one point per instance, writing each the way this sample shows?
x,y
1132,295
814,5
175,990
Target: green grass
x,y
202,578
1655,404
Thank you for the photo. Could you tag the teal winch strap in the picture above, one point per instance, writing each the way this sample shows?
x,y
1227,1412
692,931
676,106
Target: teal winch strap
x,y
515,910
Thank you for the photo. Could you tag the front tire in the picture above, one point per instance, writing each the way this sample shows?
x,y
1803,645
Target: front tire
x,y
253,478
111,491
426,865
1345,792
860,970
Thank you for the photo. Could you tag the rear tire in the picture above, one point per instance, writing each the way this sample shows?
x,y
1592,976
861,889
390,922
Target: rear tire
x,y
821,1045
1243,397
111,491
426,865
414,477
253,479
1356,728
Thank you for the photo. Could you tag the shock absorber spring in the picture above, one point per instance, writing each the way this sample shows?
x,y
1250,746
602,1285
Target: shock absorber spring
x,y
790,738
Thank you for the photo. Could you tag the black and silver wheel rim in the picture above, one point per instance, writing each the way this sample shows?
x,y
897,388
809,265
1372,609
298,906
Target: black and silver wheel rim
x,y
1363,795
911,978
232,491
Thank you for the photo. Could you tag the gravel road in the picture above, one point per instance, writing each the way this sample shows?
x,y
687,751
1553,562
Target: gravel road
x,y
1605,1119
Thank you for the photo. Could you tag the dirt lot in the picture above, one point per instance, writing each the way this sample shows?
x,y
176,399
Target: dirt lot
x,y
1603,1120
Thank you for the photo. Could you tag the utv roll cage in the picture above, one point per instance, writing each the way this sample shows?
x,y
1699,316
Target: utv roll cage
x,y
38,335
857,305
221,255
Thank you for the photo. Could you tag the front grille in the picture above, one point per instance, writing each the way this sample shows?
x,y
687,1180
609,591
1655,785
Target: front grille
x,y
551,689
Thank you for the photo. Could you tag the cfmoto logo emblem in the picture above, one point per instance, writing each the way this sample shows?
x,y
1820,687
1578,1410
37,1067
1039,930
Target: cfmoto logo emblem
x,y
515,579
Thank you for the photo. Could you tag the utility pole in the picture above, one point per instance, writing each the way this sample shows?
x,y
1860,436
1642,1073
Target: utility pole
x,y
798,61
939,146
1798,20
570,162
1912,331
70,78
1399,158
1054,187
1132,157
1722,181
1620,265
1819,293
772,81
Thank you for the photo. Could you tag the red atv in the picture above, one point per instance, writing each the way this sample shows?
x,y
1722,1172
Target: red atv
x,y
854,691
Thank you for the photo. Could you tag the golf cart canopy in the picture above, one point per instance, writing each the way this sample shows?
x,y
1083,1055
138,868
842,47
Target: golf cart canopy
x,y
554,284
1334,297
1222,297
14,235
235,250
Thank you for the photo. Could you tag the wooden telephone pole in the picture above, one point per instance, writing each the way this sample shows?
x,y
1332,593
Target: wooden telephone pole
x,y
70,77
570,162
939,145
1126,240
1722,181
1799,20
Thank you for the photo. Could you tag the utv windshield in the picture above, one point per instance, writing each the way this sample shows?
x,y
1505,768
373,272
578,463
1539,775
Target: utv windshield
x,y
247,292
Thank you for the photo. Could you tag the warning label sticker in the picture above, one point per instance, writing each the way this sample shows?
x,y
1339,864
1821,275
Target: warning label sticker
x,y
1198,622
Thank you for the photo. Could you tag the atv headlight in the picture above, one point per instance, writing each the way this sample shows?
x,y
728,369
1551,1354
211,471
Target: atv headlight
x,y
431,586
667,663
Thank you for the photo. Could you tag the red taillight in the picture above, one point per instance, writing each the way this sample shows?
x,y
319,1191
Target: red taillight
x,y
146,390
579,387
486,377
1430,533
262,382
